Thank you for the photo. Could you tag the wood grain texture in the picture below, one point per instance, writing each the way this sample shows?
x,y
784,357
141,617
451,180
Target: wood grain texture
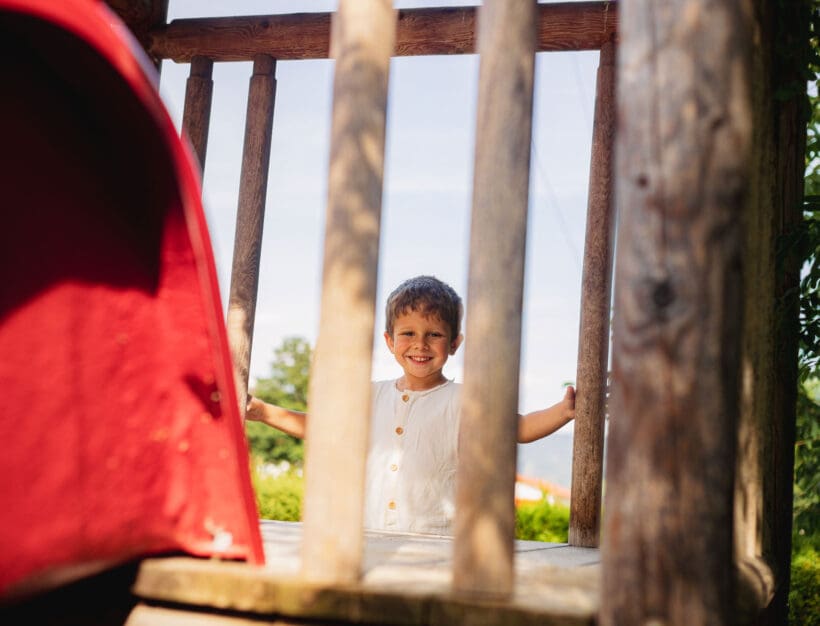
x,y
683,146
196,114
406,581
593,339
339,394
250,219
763,493
560,26
485,516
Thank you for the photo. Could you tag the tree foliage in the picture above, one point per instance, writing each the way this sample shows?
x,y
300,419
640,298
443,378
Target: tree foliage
x,y
807,435
809,244
807,460
287,387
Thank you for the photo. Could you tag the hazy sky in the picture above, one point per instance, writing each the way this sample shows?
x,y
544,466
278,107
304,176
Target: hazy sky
x,y
427,191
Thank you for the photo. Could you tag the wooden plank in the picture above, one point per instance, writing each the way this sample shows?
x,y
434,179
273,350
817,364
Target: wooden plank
x,y
148,615
395,558
339,394
196,115
250,217
406,581
485,516
593,339
560,26
683,147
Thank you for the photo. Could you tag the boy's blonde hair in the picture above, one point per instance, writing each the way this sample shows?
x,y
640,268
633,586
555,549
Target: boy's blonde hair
x,y
430,297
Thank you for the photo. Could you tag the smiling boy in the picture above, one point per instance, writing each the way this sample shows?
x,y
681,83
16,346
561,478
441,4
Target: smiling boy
x,y
413,453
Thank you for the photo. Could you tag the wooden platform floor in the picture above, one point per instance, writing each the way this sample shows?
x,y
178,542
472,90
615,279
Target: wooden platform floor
x,y
406,581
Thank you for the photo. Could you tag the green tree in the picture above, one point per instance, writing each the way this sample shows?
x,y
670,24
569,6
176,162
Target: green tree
x,y
807,459
287,387
804,595
807,434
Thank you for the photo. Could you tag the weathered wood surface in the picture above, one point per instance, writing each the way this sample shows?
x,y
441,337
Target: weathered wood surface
x,y
406,580
485,516
339,394
596,300
196,114
560,26
683,146
763,498
250,218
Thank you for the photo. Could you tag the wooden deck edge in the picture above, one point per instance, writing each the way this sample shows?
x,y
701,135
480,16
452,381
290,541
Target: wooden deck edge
x,y
253,593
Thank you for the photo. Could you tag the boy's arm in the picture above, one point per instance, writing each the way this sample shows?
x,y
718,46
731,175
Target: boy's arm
x,y
286,420
541,423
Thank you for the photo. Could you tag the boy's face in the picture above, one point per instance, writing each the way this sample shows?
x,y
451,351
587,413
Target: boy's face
x,y
421,346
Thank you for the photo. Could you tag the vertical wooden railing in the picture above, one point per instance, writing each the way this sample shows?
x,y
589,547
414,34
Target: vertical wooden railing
x,y
250,218
683,150
196,115
593,337
363,37
485,517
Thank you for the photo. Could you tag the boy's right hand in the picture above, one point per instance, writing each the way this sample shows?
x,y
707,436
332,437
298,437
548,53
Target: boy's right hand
x,y
255,409
286,420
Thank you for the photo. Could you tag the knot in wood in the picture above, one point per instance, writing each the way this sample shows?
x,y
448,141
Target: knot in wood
x,y
663,294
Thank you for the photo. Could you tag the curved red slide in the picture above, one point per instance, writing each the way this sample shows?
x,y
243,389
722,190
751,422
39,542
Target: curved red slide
x,y
120,434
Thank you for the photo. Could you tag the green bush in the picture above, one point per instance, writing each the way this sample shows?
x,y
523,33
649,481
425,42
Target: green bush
x,y
273,445
542,521
804,595
279,497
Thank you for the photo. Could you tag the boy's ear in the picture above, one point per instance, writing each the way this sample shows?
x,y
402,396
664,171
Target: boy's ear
x,y
455,343
388,338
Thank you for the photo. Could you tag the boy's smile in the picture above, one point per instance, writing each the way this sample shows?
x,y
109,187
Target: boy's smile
x,y
421,346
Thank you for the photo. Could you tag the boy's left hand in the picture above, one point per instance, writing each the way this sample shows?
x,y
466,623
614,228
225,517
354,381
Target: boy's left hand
x,y
569,403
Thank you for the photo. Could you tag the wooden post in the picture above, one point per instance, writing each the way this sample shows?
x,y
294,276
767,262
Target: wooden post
x,y
339,396
593,339
196,115
250,216
485,514
763,486
683,145
143,18
790,118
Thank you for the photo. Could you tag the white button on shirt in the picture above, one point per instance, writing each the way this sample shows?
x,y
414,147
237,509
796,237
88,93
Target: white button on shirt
x,y
411,465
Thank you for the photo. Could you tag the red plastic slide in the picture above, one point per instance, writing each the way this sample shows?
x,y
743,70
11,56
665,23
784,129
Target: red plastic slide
x,y
120,434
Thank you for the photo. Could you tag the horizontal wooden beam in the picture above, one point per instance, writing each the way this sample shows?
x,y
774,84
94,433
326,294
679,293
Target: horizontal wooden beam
x,y
561,26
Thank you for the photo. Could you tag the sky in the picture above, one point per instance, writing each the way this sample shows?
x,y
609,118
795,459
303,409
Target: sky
x,y
426,199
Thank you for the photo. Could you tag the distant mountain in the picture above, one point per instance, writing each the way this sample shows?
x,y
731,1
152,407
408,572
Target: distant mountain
x,y
549,459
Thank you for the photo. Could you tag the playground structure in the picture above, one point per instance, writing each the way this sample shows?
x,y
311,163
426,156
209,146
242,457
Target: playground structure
x,y
707,184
